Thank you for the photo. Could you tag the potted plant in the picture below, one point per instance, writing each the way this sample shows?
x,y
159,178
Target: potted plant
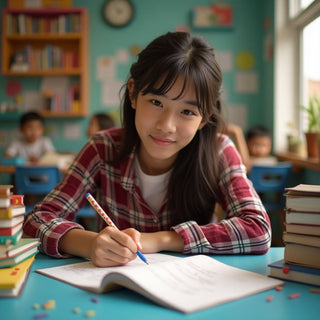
x,y
294,143
313,113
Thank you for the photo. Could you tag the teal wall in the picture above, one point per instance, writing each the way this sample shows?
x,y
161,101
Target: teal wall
x,y
152,18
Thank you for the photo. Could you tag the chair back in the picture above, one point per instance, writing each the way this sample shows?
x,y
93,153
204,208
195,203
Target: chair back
x,y
36,180
271,179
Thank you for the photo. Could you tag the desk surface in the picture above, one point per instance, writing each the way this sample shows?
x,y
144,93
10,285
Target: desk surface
x,y
124,304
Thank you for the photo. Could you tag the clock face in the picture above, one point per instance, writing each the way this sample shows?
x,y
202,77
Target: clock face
x,y
118,13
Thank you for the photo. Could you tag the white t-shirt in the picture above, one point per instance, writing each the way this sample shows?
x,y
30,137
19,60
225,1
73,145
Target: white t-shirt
x,y
153,188
21,148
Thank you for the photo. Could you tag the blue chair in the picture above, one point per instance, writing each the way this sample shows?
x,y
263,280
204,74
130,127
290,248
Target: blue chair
x,y
35,181
270,182
39,181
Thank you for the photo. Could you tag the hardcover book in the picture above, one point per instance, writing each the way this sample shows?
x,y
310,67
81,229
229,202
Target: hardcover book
x,y
23,245
303,255
303,197
12,280
306,229
12,211
301,239
14,239
296,273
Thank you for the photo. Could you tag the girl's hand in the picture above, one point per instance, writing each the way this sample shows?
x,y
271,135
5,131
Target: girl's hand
x,y
113,247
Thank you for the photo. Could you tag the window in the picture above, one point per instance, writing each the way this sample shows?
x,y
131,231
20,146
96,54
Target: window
x,y
310,63
297,65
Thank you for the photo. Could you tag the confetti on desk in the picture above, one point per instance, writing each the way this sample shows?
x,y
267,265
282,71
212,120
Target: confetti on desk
x,y
312,290
90,313
76,310
269,299
50,304
41,315
294,295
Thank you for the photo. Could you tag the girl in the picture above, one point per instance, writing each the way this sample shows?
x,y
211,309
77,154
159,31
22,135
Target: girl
x,y
160,176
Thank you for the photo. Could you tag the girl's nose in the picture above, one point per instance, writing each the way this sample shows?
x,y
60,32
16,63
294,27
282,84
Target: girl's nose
x,y
166,122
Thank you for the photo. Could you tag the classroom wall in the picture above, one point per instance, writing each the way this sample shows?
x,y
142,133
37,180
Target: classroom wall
x,y
241,46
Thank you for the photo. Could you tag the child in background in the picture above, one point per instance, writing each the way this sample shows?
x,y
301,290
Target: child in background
x,y
98,122
259,142
31,145
160,176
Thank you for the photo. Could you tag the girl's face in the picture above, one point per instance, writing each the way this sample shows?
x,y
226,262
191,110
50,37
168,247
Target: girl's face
x,y
165,125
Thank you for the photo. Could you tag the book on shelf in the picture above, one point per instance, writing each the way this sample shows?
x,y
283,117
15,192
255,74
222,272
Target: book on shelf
x,y
10,231
12,211
307,240
296,273
184,284
13,279
306,229
302,217
29,24
303,198
302,255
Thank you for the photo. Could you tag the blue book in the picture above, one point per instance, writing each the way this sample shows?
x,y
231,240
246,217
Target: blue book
x,y
295,273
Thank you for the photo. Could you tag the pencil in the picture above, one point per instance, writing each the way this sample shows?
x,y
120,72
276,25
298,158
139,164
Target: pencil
x,y
106,218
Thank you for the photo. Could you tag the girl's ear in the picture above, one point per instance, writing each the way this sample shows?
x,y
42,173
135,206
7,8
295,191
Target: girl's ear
x,y
202,124
130,86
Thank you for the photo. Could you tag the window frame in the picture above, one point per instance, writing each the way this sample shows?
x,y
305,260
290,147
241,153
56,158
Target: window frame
x,y
287,80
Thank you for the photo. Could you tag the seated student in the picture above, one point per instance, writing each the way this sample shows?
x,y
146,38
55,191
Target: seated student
x,y
31,145
98,122
160,176
259,142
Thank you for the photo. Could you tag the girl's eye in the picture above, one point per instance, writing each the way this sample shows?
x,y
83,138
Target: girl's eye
x,y
188,112
156,102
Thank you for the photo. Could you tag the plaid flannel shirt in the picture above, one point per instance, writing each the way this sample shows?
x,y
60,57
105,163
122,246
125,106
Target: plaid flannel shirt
x,y
246,229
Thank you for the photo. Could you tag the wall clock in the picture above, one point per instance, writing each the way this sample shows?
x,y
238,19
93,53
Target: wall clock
x,y
118,13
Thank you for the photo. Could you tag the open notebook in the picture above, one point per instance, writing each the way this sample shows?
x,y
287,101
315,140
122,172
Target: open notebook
x,y
185,284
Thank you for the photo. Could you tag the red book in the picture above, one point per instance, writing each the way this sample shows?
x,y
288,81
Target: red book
x,y
11,230
16,199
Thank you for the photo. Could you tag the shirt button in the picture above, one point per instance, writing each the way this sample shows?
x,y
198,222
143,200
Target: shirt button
x,y
155,220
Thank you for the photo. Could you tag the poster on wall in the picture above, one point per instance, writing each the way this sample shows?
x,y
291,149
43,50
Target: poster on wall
x,y
217,15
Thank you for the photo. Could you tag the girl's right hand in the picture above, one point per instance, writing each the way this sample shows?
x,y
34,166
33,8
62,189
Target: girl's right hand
x,y
112,247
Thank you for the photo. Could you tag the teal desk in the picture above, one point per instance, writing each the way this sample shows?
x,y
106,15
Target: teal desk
x,y
124,304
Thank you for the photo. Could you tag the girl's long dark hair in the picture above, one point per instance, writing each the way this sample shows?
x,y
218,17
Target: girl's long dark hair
x,y
193,186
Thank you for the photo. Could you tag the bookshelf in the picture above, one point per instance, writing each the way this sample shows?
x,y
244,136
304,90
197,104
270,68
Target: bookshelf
x,y
49,43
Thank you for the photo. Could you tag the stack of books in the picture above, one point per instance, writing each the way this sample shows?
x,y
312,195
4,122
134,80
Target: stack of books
x,y
16,253
301,260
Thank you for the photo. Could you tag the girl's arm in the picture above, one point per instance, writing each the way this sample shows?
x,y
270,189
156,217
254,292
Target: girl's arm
x,y
246,229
